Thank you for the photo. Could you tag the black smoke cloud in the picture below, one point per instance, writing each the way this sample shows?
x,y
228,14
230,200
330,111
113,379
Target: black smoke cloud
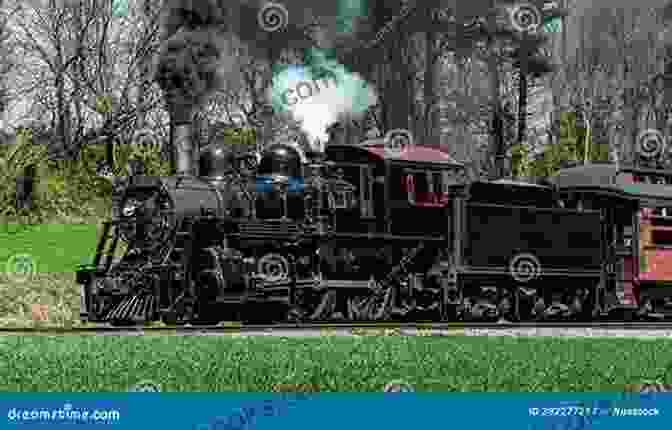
x,y
191,51
193,59
188,70
191,15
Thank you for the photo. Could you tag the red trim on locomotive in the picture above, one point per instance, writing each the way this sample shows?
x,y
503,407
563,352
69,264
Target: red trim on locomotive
x,y
428,199
416,153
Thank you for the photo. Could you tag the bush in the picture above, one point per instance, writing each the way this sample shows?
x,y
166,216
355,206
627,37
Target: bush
x,y
68,190
14,159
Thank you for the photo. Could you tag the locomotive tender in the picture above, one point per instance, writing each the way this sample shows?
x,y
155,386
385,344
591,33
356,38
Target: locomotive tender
x,y
359,233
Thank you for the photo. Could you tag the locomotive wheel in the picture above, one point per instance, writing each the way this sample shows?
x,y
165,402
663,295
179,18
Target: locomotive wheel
x,y
169,318
529,305
646,308
311,305
588,311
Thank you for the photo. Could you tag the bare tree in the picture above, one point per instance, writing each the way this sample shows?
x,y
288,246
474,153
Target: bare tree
x,y
609,78
77,54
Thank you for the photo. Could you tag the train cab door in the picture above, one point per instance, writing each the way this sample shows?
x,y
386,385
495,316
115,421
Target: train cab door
x,y
621,240
418,196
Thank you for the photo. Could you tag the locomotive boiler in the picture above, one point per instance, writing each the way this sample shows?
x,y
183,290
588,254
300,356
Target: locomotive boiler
x,y
364,233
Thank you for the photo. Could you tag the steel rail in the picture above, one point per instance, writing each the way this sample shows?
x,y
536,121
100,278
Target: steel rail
x,y
241,328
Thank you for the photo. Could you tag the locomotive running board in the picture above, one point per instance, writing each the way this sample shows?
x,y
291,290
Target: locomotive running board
x,y
502,270
278,292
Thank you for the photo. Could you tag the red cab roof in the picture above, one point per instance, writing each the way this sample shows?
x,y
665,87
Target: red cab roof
x,y
414,154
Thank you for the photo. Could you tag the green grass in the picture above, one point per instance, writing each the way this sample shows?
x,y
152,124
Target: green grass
x,y
56,249
343,364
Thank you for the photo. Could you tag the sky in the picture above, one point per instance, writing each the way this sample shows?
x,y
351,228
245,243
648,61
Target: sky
x,y
351,94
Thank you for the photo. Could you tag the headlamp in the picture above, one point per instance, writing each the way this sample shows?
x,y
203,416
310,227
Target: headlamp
x,y
130,208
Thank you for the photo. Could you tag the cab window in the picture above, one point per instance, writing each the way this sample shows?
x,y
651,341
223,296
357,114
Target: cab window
x,y
424,188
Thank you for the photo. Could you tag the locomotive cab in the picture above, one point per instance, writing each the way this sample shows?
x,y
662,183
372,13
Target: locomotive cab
x,y
279,183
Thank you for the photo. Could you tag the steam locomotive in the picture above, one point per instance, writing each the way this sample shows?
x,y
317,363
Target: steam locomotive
x,y
360,232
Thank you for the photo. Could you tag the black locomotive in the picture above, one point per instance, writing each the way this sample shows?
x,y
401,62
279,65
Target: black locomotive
x,y
362,233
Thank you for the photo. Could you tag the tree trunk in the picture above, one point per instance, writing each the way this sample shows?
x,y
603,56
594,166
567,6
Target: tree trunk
x,y
522,106
432,129
497,144
63,116
398,94
24,188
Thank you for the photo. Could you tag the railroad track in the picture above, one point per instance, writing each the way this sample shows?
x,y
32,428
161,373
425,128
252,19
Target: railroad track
x,y
325,328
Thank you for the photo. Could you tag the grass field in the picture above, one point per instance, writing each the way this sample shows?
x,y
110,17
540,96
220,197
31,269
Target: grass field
x,y
56,250
343,364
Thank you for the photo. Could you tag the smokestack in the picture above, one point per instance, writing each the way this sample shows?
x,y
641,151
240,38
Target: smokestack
x,y
183,135
188,69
